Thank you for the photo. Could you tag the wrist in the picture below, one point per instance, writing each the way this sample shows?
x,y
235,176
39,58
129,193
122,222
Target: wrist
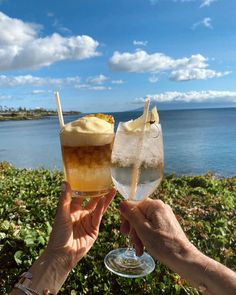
x,y
61,258
48,272
188,262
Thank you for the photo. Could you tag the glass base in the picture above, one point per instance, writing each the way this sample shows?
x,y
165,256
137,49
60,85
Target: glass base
x,y
125,263
94,194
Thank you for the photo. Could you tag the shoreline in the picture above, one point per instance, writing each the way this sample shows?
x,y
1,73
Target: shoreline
x,y
31,115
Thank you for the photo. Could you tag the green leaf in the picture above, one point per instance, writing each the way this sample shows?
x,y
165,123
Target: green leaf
x,y
2,235
17,257
49,227
204,205
41,240
5,225
29,241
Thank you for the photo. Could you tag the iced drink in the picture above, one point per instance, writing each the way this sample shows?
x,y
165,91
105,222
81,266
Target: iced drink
x,y
86,151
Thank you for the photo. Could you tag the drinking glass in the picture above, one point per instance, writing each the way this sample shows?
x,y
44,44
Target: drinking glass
x,y
86,163
130,148
86,155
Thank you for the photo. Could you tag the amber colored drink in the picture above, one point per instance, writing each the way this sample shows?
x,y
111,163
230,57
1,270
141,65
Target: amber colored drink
x,y
87,168
86,146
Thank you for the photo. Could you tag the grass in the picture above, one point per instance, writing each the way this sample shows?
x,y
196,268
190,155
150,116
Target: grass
x,y
204,205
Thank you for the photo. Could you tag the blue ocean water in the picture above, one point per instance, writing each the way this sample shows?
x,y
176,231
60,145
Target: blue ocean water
x,y
195,141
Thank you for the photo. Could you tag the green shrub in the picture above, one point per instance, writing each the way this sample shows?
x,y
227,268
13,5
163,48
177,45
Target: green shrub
x,y
205,207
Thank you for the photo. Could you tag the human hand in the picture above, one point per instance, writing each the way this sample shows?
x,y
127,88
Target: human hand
x,y
154,225
76,227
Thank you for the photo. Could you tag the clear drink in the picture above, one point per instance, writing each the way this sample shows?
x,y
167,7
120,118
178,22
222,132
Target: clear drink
x,y
149,180
124,158
137,169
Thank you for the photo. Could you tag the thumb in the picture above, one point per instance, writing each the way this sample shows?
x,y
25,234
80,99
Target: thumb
x,y
131,212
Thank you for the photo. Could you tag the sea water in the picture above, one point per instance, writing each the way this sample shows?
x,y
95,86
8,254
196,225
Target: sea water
x,y
195,141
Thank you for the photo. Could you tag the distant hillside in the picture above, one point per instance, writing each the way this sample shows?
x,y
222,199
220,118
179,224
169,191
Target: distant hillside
x,y
29,114
152,105
180,105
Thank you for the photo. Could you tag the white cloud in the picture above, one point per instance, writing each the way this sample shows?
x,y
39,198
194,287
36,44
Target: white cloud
x,y
140,43
100,79
183,1
21,46
204,3
71,80
59,27
196,74
29,80
56,23
153,79
92,83
193,96
186,68
100,87
41,91
14,81
14,31
206,22
207,2
93,87
117,81
142,62
50,14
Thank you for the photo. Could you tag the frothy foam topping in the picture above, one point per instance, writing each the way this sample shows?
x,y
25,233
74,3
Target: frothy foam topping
x,y
137,124
87,131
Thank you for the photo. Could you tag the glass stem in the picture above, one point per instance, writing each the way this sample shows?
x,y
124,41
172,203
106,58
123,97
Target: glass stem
x,y
130,244
130,254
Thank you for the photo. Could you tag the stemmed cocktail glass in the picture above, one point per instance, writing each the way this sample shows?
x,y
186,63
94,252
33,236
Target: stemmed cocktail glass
x,y
137,169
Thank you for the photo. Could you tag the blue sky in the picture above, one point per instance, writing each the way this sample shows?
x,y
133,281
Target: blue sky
x,y
109,55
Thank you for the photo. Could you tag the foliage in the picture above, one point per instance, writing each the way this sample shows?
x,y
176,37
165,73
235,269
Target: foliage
x,y
204,205
29,114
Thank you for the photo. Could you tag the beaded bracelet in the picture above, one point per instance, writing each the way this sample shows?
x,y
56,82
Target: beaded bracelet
x,y
26,278
25,289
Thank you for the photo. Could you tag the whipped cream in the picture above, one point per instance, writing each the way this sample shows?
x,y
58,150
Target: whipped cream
x,y
87,131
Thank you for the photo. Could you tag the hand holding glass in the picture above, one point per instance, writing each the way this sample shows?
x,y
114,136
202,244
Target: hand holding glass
x,y
126,153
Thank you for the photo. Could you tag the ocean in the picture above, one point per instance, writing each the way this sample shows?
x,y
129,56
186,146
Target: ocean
x,y
195,141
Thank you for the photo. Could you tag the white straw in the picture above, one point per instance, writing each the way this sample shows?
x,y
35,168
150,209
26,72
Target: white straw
x,y
59,111
136,168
